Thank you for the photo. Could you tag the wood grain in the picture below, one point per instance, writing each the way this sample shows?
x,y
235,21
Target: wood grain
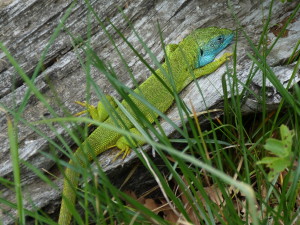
x,y
26,28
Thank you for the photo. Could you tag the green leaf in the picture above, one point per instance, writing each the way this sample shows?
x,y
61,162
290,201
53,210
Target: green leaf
x,y
287,137
277,147
278,166
267,160
282,149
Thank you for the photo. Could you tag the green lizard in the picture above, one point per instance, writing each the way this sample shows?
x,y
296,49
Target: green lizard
x,y
195,53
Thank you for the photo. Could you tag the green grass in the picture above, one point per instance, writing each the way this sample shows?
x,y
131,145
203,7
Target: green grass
x,y
207,176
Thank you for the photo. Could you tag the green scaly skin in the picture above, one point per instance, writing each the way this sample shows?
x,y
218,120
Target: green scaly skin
x,y
195,44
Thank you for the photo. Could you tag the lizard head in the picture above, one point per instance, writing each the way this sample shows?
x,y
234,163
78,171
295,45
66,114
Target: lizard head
x,y
211,41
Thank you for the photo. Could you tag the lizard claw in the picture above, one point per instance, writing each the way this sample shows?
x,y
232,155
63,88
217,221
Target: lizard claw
x,y
124,152
226,56
89,108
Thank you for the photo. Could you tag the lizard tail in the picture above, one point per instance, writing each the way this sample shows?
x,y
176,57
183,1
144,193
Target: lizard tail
x,y
98,141
69,195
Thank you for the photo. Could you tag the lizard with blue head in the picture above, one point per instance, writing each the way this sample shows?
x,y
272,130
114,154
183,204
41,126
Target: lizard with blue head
x,y
208,52
193,57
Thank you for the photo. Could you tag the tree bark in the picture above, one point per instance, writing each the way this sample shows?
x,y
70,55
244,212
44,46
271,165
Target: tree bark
x,y
26,28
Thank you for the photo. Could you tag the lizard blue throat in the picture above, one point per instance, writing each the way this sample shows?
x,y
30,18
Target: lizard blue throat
x,y
208,52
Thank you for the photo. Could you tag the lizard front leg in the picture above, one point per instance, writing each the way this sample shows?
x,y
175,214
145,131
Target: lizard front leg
x,y
100,112
213,66
125,144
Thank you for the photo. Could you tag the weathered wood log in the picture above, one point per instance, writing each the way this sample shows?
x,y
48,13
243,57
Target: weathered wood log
x,y
26,27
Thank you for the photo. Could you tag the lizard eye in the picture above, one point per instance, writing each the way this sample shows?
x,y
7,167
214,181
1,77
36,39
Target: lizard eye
x,y
220,39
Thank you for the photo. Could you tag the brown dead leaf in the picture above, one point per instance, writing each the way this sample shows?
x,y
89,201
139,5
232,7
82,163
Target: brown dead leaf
x,y
133,195
151,204
276,29
214,194
170,216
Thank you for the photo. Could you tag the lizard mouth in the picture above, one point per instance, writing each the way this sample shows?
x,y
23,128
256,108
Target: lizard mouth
x,y
228,40
226,43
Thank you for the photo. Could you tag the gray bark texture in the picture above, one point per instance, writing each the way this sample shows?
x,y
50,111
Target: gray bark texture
x,y
25,30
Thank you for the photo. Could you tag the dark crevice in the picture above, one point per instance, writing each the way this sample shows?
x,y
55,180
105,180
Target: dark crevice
x,y
48,63
293,58
180,8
